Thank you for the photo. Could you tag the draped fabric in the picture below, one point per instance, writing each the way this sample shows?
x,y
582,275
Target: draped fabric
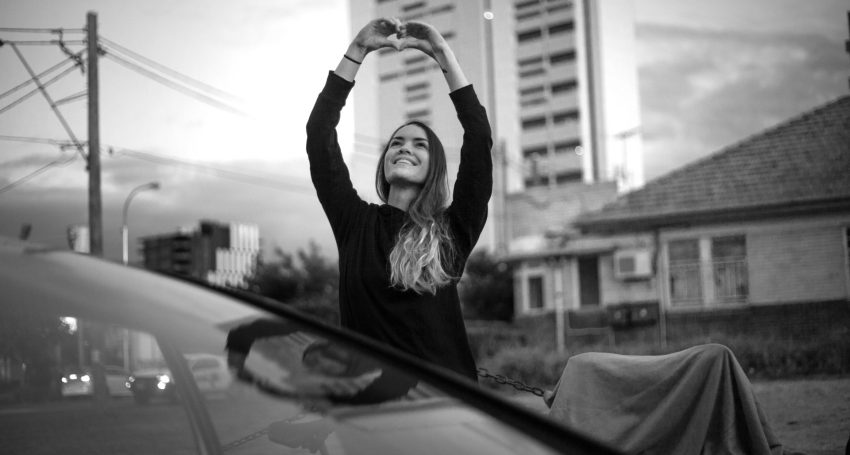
x,y
696,401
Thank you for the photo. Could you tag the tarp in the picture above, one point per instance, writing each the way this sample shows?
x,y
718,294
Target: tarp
x,y
696,401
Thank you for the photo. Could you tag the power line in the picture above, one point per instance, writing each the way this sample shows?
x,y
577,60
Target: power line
x,y
36,90
42,30
162,68
36,172
37,140
41,42
252,179
39,75
171,84
55,109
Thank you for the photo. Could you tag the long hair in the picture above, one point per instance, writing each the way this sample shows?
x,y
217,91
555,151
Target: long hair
x,y
423,254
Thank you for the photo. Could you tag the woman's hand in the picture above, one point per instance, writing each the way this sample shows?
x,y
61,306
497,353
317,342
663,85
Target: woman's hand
x,y
422,36
375,35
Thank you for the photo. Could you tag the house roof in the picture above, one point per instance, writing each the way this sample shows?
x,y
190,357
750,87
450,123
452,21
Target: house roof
x,y
802,164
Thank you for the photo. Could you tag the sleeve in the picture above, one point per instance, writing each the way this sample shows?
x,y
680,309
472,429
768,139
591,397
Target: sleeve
x,y
474,183
327,169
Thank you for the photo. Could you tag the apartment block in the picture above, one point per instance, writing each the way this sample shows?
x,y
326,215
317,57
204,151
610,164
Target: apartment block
x,y
222,254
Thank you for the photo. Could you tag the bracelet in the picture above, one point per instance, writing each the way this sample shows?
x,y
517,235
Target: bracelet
x,y
349,58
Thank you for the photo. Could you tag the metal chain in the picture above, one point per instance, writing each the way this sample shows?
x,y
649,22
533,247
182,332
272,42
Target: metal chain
x,y
519,385
256,434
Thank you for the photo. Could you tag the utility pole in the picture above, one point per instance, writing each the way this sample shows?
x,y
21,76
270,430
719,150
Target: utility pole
x,y
95,206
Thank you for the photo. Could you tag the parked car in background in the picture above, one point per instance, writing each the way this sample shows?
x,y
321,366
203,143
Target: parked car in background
x,y
209,372
77,382
295,384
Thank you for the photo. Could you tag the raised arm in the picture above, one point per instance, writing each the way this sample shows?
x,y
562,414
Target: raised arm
x,y
426,38
375,35
474,183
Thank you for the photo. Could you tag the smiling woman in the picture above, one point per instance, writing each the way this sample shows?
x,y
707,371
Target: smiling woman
x,y
400,261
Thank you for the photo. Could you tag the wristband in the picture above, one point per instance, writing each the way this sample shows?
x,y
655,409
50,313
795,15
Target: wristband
x,y
349,58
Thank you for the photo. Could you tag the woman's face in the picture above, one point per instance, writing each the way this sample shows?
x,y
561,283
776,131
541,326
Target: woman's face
x,y
407,157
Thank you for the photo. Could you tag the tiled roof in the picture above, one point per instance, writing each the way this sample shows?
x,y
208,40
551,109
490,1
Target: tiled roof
x,y
803,161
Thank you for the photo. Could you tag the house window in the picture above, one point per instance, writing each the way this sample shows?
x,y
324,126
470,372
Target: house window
x,y
562,57
685,282
563,27
729,268
535,292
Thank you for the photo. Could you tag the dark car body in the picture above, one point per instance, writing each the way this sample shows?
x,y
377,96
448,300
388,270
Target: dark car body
x,y
294,385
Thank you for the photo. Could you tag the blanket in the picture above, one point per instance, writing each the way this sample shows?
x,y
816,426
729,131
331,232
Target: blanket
x,y
696,401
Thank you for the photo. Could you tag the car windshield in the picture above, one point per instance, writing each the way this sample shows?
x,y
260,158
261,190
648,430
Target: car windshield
x,y
175,368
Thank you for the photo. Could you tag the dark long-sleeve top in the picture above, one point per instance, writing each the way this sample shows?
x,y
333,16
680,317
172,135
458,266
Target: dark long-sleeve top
x,y
429,326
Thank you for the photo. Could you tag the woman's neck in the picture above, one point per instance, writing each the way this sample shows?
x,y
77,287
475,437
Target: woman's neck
x,y
401,196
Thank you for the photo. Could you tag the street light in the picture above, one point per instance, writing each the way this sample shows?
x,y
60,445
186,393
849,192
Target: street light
x,y
124,234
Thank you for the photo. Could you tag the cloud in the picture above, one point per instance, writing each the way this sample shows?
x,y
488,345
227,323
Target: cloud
x,y
702,90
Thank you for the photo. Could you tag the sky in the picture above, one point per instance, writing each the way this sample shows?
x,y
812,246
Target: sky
x,y
710,75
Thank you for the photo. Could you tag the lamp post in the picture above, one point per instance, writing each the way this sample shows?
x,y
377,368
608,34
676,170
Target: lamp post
x,y
124,233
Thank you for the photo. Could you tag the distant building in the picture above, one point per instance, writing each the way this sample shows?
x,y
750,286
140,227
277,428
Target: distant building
x,y
222,254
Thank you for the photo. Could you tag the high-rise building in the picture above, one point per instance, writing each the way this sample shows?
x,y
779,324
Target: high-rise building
x,y
558,79
223,254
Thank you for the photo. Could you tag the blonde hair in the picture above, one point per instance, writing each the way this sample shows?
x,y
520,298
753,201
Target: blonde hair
x,y
424,253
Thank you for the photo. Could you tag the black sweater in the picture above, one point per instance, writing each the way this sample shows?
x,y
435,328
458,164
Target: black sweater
x,y
428,326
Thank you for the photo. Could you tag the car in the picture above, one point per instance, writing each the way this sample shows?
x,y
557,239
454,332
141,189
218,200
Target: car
x,y
294,384
210,374
77,382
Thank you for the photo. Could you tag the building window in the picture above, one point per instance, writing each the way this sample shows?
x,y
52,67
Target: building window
x,y
564,147
531,61
535,292
529,35
556,8
562,57
565,86
562,27
415,60
562,117
528,15
532,90
534,72
389,76
685,276
525,4
533,122
568,177
729,268
527,153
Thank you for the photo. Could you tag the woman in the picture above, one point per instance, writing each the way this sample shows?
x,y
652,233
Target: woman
x,y
400,261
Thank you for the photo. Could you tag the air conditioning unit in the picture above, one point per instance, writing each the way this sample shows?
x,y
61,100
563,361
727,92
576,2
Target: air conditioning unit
x,y
632,264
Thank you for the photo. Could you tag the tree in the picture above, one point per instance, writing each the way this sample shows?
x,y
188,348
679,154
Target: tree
x,y
486,289
309,284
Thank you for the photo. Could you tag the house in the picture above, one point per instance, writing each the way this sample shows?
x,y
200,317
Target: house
x,y
755,237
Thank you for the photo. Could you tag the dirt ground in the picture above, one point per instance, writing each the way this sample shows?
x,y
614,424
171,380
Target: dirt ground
x,y
809,416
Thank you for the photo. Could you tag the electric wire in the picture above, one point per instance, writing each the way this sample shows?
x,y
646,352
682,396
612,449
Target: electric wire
x,y
39,75
37,140
41,30
52,42
46,167
242,177
173,85
36,90
53,107
111,45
